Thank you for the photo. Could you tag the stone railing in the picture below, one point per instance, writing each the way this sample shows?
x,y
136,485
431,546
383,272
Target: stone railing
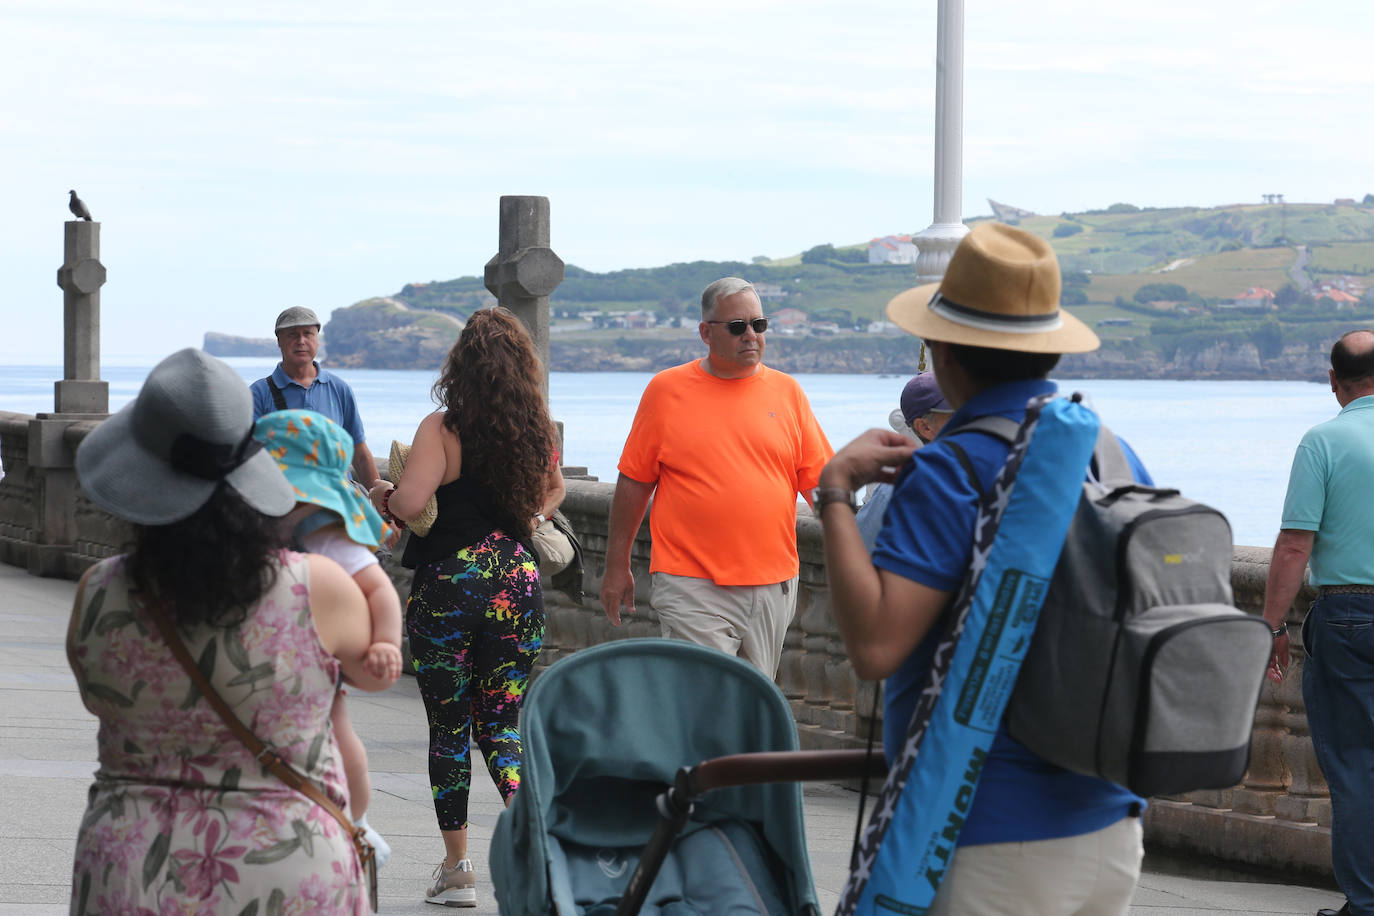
x,y
1279,817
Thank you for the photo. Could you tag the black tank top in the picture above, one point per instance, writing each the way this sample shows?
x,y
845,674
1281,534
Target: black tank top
x,y
466,516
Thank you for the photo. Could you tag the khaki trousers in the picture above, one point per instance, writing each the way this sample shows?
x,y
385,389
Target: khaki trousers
x,y
745,620
1089,875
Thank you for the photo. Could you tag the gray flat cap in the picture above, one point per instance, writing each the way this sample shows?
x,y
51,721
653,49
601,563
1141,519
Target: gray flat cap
x,y
296,316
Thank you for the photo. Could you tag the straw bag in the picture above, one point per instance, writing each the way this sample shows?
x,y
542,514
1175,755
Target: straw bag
x,y
396,465
553,546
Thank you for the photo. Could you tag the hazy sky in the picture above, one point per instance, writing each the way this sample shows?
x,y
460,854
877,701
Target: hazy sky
x,y
247,157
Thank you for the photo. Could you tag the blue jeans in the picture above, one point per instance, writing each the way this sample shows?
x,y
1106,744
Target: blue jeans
x,y
1338,688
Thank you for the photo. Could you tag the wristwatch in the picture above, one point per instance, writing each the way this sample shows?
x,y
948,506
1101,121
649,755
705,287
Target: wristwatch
x,y
823,495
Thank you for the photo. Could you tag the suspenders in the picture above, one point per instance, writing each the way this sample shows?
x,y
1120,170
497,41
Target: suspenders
x,y
278,398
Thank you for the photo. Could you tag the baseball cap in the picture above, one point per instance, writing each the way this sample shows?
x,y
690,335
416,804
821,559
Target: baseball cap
x,y
296,316
922,395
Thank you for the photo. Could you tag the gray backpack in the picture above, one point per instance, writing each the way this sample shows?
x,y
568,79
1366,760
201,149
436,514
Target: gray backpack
x,y
1141,671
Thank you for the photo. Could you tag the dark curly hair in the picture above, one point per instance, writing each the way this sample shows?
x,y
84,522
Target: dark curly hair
x,y
493,389
212,565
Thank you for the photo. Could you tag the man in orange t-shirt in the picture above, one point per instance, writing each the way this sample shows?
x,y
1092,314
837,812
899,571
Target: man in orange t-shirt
x,y
724,444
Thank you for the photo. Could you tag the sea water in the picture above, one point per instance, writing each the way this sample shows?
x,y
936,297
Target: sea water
x,y
1229,444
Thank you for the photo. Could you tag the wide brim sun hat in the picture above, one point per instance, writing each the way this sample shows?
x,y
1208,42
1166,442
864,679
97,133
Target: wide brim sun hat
x,y
1001,290
160,458
396,465
314,453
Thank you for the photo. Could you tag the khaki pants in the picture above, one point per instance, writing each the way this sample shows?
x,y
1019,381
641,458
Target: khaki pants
x,y
745,620
1089,875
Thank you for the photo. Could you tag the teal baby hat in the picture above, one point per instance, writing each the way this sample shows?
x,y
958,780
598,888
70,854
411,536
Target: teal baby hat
x,y
314,453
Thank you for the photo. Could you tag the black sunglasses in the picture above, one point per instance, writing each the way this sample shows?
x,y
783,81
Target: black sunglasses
x,y
737,326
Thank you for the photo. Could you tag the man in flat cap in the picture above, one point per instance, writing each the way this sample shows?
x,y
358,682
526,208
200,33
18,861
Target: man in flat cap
x,y
298,383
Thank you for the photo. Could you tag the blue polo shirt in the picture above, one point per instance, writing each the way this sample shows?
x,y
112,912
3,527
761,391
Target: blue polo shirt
x,y
927,536
329,395
1328,492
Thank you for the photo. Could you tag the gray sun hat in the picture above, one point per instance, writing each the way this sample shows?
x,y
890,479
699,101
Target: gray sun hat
x,y
160,458
296,316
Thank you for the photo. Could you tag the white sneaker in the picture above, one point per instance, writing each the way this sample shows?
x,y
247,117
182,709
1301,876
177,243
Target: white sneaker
x,y
456,886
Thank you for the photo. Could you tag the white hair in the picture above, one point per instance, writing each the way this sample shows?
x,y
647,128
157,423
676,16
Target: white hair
x,y
720,289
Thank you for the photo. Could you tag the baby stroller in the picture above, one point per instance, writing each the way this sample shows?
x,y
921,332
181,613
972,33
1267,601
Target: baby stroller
x,y
605,732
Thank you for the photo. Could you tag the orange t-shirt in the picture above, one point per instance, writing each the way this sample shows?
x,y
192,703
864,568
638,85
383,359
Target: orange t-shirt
x,y
729,457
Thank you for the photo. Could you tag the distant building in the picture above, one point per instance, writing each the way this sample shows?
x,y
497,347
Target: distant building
x,y
882,327
1256,297
1346,202
769,291
892,249
1115,322
788,318
1342,299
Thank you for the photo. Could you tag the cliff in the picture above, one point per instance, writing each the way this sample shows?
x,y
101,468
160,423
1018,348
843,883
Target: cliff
x,y
385,334
217,344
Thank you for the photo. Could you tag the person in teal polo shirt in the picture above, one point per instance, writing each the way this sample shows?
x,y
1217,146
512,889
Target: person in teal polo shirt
x,y
298,383
1327,522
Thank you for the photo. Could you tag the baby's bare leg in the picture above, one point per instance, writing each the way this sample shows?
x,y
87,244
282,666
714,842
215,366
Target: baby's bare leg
x,y
354,757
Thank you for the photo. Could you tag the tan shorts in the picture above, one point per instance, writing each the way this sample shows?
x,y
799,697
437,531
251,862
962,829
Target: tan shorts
x,y
1089,875
745,620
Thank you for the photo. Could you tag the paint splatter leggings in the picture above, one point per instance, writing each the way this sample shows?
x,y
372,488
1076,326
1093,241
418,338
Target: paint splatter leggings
x,y
476,624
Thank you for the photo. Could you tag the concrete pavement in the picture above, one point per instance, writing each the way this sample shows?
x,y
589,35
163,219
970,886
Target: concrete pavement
x,y
48,748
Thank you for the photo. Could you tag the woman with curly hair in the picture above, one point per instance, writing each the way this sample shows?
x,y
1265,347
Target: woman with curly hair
x,y
476,613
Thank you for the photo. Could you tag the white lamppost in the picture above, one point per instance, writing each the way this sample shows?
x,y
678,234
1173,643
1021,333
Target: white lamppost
x,y
937,242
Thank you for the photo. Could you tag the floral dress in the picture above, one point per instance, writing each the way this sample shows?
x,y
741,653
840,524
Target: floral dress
x,y
181,819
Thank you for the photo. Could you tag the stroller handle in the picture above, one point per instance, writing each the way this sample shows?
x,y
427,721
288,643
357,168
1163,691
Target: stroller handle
x,y
783,766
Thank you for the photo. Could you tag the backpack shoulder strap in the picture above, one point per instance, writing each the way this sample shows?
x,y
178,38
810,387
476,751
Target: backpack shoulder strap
x,y
278,398
1000,428
1113,468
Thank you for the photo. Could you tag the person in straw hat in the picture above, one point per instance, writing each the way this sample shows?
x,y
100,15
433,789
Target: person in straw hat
x,y
476,612
181,815
1037,839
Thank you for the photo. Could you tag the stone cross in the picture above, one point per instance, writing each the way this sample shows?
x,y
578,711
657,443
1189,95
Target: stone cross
x,y
81,275
79,396
525,270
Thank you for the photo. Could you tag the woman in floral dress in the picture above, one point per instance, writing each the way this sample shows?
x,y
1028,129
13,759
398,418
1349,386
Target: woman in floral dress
x,y
181,819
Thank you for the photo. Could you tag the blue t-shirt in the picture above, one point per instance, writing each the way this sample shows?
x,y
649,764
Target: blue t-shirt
x,y
1328,492
927,536
329,395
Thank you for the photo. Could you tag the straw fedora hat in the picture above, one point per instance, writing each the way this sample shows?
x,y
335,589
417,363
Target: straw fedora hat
x,y
1001,290
396,465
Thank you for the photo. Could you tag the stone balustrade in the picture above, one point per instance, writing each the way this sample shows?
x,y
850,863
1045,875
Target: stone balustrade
x,y
1279,817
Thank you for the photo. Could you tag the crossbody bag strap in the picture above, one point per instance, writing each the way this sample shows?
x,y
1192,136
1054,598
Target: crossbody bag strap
x,y
265,755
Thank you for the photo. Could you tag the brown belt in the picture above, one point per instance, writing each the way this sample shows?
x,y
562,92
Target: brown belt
x,y
1347,590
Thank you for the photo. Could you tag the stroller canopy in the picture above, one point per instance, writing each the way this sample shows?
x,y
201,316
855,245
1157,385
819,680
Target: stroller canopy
x,y
605,731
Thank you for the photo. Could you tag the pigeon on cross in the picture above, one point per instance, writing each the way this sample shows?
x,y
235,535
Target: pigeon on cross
x,y
78,207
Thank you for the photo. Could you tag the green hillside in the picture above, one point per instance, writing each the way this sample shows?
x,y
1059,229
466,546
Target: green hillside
x,y
1214,253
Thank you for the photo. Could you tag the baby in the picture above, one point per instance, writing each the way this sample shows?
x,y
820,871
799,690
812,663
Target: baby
x,y
333,519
